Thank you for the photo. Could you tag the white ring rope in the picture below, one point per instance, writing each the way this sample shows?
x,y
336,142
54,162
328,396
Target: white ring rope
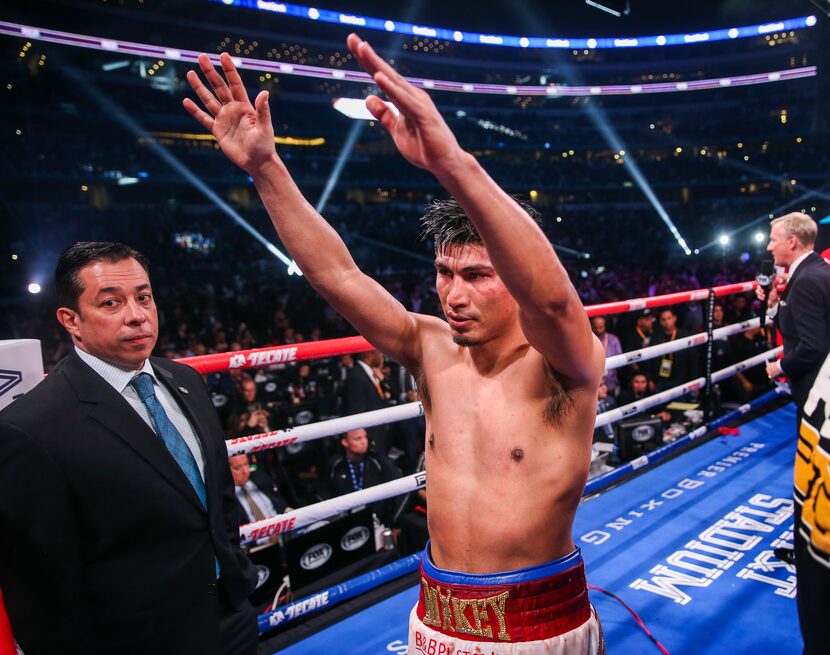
x,y
675,392
321,429
305,516
617,361
325,509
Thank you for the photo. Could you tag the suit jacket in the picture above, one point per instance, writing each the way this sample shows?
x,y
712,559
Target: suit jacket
x,y
263,483
104,544
361,395
804,322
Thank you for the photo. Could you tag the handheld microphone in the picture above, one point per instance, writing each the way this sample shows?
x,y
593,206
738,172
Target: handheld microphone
x,y
765,278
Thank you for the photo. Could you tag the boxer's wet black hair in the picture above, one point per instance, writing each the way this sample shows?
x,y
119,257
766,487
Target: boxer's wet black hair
x,y
77,256
446,223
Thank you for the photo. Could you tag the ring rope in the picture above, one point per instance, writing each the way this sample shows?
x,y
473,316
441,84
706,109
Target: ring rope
x,y
650,459
363,583
305,516
255,442
267,356
675,392
338,593
321,429
650,352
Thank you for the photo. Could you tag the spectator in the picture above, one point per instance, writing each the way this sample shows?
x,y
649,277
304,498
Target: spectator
x,y
408,435
635,339
739,311
363,393
611,345
605,403
256,493
751,381
637,389
358,468
674,368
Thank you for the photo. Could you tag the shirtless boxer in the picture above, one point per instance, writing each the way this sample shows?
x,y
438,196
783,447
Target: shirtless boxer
x,y
509,382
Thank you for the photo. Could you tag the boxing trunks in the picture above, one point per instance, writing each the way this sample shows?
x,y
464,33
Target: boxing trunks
x,y
541,610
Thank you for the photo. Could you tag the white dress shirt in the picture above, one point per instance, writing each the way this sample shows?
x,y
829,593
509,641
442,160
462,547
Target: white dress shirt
x,y
263,502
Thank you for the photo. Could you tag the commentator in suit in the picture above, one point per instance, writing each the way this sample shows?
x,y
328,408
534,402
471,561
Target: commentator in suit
x,y
118,517
802,315
803,310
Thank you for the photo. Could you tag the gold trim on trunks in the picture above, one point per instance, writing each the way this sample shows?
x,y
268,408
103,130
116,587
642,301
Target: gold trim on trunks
x,y
444,612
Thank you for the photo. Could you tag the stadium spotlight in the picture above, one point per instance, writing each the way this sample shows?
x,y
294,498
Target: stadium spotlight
x,y
759,237
356,108
614,7
34,287
723,239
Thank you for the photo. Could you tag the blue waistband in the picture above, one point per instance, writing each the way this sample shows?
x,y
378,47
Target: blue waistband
x,y
538,572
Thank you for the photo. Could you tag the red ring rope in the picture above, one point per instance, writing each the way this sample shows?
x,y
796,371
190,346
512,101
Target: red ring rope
x,y
298,352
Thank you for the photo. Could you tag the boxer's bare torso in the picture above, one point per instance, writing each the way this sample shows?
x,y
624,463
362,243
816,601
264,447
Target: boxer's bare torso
x,y
508,441
504,479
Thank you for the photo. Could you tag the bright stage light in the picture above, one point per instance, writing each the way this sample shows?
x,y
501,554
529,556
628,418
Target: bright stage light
x,y
723,239
34,287
759,237
356,108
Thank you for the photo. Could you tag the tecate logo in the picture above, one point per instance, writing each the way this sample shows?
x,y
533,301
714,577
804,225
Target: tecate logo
x,y
262,575
355,538
315,557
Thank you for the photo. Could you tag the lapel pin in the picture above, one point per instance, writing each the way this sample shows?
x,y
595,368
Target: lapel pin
x,y
183,390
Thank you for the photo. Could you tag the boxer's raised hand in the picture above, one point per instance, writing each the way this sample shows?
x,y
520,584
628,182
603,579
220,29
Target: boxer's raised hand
x,y
419,132
243,130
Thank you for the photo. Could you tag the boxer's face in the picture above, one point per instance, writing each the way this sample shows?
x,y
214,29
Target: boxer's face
x,y
475,301
116,319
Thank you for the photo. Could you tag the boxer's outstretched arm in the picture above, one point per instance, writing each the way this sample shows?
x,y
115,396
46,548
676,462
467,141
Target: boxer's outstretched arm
x,y
246,135
552,316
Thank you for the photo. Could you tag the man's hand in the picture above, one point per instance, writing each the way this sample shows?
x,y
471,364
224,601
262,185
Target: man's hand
x,y
773,295
419,131
774,369
243,131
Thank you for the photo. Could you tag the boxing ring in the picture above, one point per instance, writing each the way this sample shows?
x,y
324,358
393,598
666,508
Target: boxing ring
x,y
688,546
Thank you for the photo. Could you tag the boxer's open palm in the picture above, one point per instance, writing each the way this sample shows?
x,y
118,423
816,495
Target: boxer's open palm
x,y
419,131
244,131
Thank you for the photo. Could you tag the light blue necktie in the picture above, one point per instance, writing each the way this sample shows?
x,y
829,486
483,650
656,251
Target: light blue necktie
x,y
172,438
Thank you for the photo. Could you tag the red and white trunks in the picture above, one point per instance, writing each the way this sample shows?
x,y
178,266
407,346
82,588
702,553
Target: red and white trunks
x,y
542,610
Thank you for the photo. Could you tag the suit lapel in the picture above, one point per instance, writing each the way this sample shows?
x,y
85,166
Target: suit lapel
x,y
112,411
808,261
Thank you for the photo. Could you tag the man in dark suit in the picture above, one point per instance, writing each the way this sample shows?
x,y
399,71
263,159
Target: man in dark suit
x,y
256,493
802,312
363,393
117,510
802,315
